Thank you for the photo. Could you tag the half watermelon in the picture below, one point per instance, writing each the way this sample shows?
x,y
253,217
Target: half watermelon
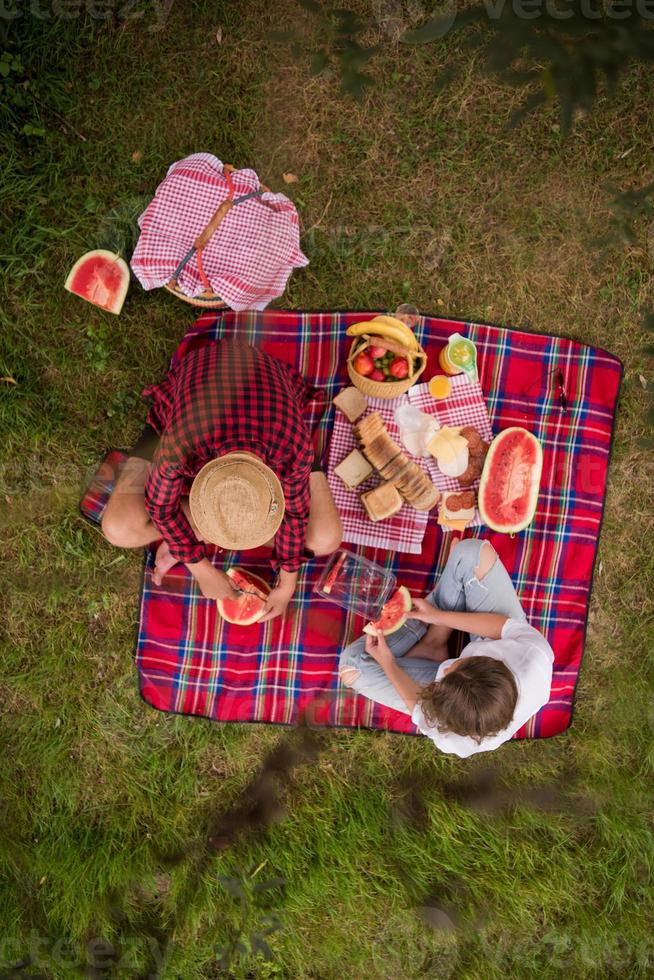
x,y
510,481
394,614
102,278
248,607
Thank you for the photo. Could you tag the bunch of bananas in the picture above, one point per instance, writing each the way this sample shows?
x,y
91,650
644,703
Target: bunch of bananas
x,y
388,328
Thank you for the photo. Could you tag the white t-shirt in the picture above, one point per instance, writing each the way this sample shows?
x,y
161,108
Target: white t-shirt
x,y
529,657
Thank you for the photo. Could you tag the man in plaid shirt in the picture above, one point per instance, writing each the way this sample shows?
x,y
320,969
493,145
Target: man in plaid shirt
x,y
223,397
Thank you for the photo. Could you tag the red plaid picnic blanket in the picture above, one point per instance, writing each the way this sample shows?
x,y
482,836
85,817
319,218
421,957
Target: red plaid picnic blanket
x,y
189,661
249,258
465,405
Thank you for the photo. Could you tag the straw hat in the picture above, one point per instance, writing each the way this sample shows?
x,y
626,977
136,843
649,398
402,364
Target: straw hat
x,y
236,502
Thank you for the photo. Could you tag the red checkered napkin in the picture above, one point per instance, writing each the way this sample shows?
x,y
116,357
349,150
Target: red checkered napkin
x,y
251,255
465,405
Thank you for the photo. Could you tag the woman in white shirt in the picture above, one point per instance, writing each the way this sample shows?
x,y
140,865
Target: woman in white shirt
x,y
480,699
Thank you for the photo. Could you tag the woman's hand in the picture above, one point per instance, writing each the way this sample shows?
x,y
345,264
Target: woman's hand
x,y
406,687
378,649
424,612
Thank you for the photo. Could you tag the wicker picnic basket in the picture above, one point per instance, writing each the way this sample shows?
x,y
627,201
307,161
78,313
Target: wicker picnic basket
x,y
383,389
207,298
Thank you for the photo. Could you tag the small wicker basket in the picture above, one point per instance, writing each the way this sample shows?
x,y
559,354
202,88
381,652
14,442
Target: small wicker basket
x,y
382,389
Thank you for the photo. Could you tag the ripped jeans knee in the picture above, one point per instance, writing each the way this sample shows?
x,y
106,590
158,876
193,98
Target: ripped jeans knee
x,y
349,675
487,558
485,561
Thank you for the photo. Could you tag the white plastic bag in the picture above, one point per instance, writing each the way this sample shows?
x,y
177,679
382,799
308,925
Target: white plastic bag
x,y
416,428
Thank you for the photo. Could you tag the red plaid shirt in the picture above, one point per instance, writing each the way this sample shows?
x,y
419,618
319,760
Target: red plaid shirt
x,y
221,398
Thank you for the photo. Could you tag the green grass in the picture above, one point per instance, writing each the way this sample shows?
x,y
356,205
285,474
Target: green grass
x,y
107,804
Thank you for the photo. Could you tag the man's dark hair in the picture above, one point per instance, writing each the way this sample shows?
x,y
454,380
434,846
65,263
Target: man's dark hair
x,y
476,698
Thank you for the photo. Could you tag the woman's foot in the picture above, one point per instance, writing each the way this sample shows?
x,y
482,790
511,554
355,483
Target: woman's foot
x,y
425,650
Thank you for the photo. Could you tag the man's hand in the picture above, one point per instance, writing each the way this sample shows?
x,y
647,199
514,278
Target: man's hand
x,y
424,612
280,596
277,602
378,649
213,583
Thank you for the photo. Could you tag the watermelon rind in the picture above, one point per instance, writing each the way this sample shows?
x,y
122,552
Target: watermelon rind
x,y
253,582
407,603
106,256
487,477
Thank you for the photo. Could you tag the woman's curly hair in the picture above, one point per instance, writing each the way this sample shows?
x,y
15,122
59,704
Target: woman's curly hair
x,y
476,698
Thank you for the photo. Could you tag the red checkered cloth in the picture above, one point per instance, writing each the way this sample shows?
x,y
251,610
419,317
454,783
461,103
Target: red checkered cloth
x,y
249,258
190,661
404,531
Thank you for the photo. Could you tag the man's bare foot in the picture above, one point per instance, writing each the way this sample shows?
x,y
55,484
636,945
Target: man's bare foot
x,y
163,562
428,651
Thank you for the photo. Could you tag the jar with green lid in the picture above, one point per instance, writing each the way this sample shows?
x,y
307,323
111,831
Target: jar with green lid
x,y
460,356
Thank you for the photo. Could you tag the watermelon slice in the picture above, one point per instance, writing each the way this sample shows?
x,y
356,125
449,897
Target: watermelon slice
x,y
510,481
394,614
248,607
102,278
333,573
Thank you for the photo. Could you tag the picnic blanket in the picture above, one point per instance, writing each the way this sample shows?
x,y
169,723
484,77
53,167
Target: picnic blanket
x,y
189,661
405,531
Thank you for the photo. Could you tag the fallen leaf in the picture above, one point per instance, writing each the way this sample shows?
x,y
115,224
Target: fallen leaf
x,y
643,381
9,381
438,918
289,178
219,36
440,302
161,884
43,880
137,155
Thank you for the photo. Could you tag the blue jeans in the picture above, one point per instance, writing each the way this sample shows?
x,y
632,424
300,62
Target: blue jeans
x,y
457,590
